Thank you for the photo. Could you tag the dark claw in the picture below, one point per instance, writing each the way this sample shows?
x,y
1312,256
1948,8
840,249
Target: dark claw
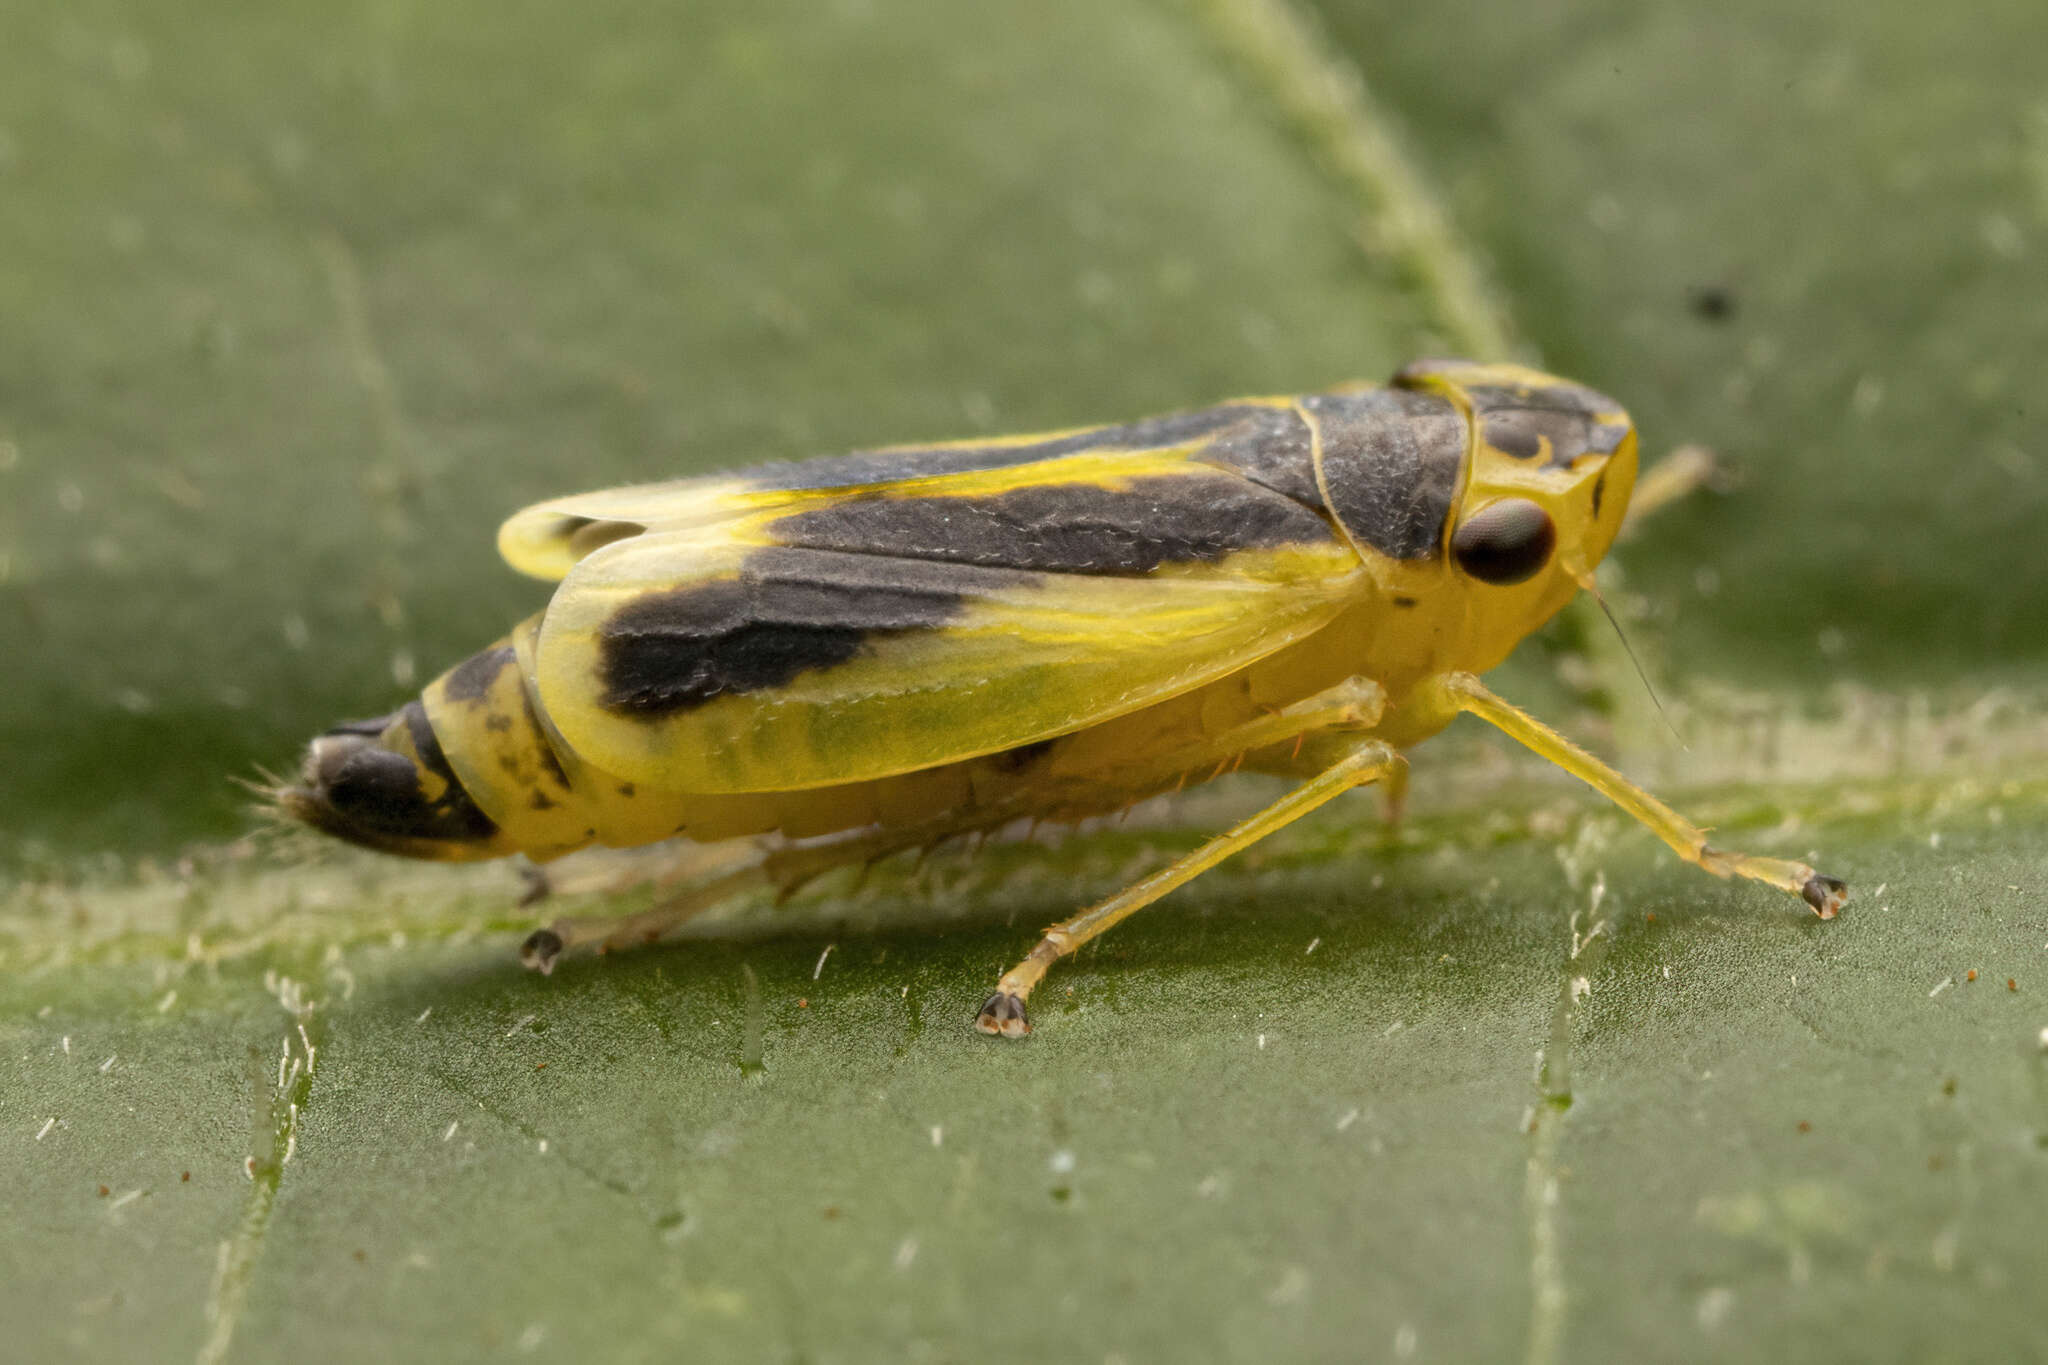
x,y
1826,895
1003,1013
540,950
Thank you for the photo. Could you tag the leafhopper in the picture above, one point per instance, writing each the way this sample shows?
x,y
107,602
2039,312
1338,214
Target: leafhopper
x,y
880,651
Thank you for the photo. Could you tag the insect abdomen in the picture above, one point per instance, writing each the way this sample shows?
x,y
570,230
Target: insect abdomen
x,y
500,750
547,800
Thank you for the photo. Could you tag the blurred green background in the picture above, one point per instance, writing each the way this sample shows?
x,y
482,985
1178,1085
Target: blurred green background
x,y
298,302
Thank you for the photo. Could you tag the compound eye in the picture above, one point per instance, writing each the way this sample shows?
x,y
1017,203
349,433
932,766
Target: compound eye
x,y
1505,542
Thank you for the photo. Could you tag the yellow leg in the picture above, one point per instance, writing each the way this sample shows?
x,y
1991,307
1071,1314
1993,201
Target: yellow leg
x,y
1673,479
544,947
1352,704
1394,793
1307,758
1456,692
1368,760
1355,703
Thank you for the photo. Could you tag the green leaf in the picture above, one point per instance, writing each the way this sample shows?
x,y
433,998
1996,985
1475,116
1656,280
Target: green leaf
x,y
1797,234
297,303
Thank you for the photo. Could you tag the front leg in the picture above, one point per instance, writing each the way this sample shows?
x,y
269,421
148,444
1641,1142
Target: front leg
x,y
1454,692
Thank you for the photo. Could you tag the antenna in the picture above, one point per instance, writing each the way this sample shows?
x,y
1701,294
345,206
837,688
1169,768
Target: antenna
x,y
1586,581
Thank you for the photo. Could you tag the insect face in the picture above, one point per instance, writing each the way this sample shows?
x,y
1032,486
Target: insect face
x,y
1552,465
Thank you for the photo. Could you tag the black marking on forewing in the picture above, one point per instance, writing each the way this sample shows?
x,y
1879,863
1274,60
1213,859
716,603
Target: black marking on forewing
x,y
1273,448
471,679
1392,461
789,612
1085,528
869,467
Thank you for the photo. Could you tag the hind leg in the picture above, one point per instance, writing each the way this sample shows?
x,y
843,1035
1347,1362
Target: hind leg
x,y
785,870
1367,760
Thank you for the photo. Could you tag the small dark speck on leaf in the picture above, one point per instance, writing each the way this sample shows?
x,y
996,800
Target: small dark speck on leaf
x,y
1711,302
185,1178
361,1257
2012,983
1805,1127
1948,1086
104,1191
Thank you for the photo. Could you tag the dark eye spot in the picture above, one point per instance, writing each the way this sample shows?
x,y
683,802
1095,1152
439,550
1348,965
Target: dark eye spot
x,y
1505,542
1514,433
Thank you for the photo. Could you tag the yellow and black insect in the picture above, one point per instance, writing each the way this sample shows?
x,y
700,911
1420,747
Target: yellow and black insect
x,y
883,650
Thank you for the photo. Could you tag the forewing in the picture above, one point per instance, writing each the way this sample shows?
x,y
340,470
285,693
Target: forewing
x,y
1263,439
850,635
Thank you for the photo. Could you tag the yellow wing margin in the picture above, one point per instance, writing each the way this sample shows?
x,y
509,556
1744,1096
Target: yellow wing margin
x,y
547,539
839,638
